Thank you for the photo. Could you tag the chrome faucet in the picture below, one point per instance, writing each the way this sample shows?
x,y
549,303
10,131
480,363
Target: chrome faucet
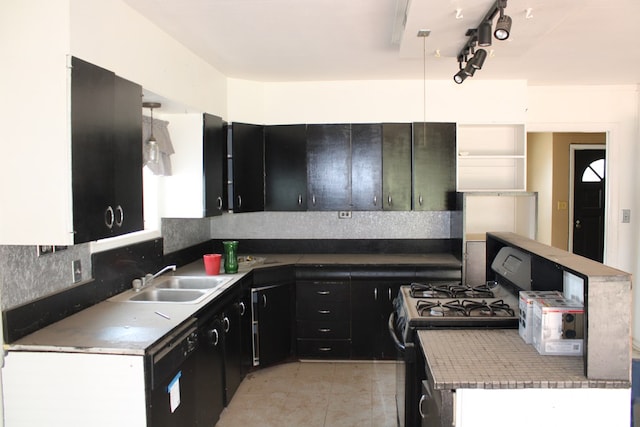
x,y
148,278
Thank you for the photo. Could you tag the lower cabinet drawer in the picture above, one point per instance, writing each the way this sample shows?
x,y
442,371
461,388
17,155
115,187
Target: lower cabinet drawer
x,y
318,329
323,310
324,349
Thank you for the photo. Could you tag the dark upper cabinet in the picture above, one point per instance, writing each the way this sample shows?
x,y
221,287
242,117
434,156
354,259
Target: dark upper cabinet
x,y
396,166
434,166
285,161
248,167
366,167
329,167
106,150
214,157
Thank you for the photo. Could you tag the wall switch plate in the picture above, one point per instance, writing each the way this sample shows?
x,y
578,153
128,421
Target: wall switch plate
x,y
344,214
626,216
77,270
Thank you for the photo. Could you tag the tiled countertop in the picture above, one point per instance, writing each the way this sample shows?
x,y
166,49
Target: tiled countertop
x,y
499,359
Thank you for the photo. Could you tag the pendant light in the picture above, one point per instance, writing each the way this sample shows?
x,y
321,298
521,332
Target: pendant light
x,y
151,143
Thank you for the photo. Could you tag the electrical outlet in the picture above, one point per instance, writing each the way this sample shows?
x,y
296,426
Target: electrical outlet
x,y
344,214
77,270
626,216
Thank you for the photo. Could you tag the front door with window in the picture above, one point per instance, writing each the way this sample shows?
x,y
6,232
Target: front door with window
x,y
588,203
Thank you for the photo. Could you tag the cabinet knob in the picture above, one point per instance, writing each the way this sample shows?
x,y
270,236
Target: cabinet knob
x,y
226,323
313,200
389,294
239,201
375,294
420,200
264,300
375,200
389,200
109,217
219,203
120,216
242,307
422,399
299,199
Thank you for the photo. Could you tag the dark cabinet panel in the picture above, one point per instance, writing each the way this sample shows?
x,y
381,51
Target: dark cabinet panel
x,y
285,158
366,167
396,166
106,150
248,167
434,166
272,312
214,157
232,327
329,167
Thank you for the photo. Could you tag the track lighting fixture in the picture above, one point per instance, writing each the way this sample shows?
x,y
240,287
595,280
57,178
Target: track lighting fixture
x,y
482,36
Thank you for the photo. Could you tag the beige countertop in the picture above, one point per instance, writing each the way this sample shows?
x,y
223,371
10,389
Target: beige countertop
x,y
499,359
116,326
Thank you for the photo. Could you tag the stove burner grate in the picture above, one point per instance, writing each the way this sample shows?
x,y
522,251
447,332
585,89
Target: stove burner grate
x,y
449,290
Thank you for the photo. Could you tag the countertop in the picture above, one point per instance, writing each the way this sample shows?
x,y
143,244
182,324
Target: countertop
x,y
117,327
499,359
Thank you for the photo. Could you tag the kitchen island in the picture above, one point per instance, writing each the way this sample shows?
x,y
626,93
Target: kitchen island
x,y
491,377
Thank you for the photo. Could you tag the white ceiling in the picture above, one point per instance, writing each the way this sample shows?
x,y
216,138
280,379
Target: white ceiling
x,y
563,42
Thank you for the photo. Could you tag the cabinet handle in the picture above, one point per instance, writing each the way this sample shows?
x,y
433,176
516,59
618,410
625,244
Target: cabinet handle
x,y
243,308
375,200
389,294
324,348
299,199
120,217
109,217
324,311
264,300
313,200
389,200
420,200
219,203
324,292
214,337
422,399
226,323
324,329
239,201
375,294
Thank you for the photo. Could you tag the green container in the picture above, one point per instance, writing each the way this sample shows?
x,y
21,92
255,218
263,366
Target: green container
x,y
230,256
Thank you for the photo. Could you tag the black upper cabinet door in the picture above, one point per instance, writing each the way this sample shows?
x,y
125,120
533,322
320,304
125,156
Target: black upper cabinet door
x,y
329,167
434,166
106,150
214,157
127,157
92,106
366,167
248,167
396,166
285,158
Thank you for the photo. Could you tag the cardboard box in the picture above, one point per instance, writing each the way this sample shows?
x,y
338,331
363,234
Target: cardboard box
x,y
558,327
525,311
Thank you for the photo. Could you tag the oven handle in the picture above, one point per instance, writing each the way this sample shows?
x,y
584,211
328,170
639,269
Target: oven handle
x,y
392,331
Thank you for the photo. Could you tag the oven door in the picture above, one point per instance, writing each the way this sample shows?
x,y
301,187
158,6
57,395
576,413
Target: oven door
x,y
406,390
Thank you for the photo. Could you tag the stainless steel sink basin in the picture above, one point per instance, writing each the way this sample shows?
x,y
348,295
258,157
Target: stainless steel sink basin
x,y
192,282
168,295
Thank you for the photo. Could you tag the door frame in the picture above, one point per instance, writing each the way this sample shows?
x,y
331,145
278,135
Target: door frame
x,y
572,153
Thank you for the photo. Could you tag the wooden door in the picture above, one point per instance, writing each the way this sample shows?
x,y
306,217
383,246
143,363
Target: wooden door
x,y
588,203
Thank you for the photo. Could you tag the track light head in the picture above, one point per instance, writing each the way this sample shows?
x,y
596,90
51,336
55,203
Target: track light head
x,y
460,76
469,69
478,59
484,34
503,27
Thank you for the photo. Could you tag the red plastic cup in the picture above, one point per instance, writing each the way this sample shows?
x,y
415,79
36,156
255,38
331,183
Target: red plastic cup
x,y
212,263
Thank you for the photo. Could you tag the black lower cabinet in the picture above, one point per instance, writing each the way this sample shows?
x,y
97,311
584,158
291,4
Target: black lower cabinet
x,y
232,342
210,371
323,319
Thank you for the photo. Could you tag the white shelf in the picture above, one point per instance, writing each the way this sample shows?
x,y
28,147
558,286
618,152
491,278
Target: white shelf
x,y
491,157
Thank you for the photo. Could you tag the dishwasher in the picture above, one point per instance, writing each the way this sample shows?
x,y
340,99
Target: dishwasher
x,y
171,367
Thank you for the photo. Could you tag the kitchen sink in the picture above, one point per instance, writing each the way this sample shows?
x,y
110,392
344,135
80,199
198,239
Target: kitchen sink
x,y
169,295
192,282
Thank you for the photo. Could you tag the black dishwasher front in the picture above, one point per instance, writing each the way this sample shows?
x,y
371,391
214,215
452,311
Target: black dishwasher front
x,y
172,378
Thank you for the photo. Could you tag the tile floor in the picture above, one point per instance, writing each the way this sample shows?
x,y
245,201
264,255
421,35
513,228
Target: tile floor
x,y
315,394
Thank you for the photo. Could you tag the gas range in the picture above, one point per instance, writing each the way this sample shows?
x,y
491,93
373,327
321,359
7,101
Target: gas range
x,y
453,305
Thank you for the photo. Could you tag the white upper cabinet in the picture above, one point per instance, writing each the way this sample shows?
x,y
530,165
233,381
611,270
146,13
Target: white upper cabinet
x,y
491,157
